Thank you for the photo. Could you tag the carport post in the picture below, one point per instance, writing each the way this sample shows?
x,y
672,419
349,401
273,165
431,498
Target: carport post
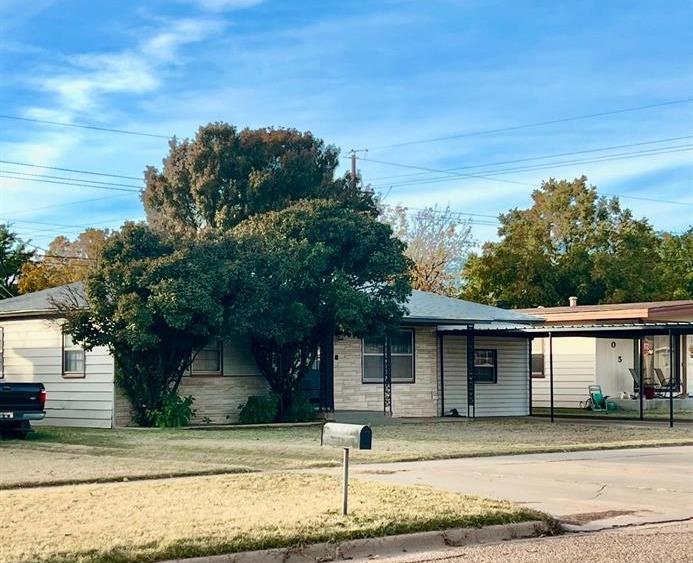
x,y
551,374
673,369
529,366
641,377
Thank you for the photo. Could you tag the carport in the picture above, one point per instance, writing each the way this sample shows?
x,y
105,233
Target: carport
x,y
638,332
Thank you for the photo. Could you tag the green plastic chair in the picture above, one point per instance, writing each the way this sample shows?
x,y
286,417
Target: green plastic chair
x,y
600,403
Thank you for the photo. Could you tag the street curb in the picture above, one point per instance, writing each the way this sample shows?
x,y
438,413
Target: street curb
x,y
388,545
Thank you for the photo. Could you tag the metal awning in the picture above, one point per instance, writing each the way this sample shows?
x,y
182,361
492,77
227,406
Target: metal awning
x,y
613,330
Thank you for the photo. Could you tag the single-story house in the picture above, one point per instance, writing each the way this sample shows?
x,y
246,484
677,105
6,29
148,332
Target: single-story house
x,y
426,363
609,361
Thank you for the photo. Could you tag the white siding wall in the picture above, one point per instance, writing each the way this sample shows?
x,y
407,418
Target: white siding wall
x,y
613,359
33,353
574,360
508,397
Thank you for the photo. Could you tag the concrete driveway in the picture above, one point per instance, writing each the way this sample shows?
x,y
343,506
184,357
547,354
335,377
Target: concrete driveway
x,y
585,490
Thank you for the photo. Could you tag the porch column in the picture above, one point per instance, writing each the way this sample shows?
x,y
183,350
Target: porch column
x,y
387,377
441,338
551,376
641,376
529,366
673,375
471,409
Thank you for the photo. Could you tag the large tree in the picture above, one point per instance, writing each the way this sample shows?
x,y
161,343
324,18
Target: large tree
x,y
438,244
154,305
66,261
676,264
307,272
14,254
569,242
224,176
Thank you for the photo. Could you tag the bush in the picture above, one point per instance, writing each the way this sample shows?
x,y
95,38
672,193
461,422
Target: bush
x,y
259,409
302,410
175,411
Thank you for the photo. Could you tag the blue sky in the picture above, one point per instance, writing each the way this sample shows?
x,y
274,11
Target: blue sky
x,y
360,75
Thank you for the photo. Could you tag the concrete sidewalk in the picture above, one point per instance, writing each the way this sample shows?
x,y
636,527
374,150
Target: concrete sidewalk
x,y
585,490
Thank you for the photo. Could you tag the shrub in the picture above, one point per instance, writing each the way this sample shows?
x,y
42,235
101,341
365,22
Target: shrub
x,y
175,411
259,409
302,410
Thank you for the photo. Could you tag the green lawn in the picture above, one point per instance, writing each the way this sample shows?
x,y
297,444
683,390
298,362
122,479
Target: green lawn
x,y
63,455
154,520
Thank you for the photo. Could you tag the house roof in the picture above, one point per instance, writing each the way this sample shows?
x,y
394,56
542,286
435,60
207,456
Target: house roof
x,y
652,310
428,307
40,301
423,307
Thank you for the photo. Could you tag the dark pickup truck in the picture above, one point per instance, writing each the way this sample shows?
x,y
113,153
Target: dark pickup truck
x,y
20,403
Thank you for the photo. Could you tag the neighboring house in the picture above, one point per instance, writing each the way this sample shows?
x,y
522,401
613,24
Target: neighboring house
x,y
580,361
428,365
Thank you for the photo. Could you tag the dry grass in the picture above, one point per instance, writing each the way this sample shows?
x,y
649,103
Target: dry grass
x,y
53,454
153,520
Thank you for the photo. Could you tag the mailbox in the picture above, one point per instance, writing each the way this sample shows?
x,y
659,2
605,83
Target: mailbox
x,y
355,436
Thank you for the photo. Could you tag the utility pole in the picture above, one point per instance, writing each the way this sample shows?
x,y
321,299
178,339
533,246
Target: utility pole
x,y
353,169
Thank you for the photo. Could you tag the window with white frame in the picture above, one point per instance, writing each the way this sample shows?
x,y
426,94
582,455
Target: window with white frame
x,y
208,360
73,358
485,366
402,353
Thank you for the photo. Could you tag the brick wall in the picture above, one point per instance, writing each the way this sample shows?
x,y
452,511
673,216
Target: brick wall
x,y
408,399
216,397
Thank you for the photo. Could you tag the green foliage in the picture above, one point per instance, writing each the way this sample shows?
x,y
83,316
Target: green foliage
x,y
676,264
259,409
224,176
14,254
570,242
175,411
302,410
153,306
307,272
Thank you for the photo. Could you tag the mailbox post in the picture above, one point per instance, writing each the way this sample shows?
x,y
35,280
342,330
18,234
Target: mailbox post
x,y
346,436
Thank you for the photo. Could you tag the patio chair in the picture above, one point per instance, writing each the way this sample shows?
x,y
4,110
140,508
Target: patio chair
x,y
666,386
600,402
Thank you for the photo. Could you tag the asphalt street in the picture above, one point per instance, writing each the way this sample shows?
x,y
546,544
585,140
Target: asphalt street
x,y
662,543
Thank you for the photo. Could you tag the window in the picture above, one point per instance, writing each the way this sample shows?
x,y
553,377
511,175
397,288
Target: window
x,y
402,353
208,360
73,358
538,358
485,366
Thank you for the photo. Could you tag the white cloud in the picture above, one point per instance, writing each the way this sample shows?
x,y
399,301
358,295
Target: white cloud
x,y
164,46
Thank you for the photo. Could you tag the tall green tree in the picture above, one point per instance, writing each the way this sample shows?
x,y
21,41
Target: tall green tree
x,y
569,242
14,254
676,264
224,176
307,272
153,305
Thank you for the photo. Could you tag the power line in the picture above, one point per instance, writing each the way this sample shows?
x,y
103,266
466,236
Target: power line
x,y
546,156
545,166
66,204
533,124
71,179
81,185
452,173
74,170
84,126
